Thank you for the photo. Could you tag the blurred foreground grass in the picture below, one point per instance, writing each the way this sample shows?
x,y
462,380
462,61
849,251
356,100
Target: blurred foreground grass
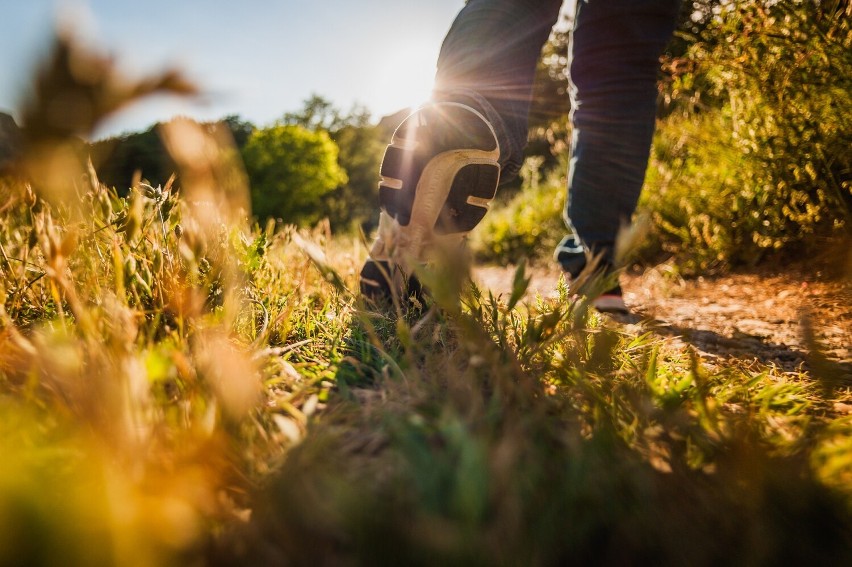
x,y
178,388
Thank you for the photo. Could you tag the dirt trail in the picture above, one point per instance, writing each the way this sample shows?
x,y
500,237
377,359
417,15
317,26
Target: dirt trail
x,y
750,317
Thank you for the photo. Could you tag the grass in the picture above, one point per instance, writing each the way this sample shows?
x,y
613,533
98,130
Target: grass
x,y
547,435
180,388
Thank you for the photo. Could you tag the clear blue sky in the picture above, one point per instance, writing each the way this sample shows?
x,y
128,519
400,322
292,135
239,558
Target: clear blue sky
x,y
255,58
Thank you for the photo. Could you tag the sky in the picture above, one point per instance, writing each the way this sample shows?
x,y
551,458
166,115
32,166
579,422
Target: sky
x,y
255,58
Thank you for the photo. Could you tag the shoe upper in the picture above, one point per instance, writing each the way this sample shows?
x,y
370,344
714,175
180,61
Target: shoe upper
x,y
590,274
570,254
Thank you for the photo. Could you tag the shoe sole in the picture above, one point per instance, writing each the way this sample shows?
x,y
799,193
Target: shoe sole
x,y
441,181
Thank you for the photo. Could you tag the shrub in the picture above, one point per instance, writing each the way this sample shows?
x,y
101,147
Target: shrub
x,y
767,169
291,169
529,225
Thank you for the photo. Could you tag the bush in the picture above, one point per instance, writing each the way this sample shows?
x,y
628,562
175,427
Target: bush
x,y
291,168
768,168
529,225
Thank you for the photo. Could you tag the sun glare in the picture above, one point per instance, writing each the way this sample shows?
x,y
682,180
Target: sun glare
x,y
405,79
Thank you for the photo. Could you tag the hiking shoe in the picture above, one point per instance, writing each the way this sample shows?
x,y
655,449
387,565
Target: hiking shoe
x,y
587,272
438,177
571,255
381,278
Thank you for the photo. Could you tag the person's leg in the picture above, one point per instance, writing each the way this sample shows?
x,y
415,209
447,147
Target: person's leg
x,y
488,61
614,60
444,162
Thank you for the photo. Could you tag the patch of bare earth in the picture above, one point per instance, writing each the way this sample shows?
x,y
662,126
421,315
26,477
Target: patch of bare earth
x,y
790,320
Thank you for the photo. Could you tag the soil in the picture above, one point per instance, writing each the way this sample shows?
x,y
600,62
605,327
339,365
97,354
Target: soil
x,y
796,320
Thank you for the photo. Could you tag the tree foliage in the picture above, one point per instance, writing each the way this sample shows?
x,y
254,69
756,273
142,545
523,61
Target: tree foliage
x,y
117,159
361,146
356,201
291,169
294,178
10,140
240,129
317,113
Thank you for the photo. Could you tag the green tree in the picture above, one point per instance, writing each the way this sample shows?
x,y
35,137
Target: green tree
x,y
117,159
317,113
356,201
240,129
361,145
291,168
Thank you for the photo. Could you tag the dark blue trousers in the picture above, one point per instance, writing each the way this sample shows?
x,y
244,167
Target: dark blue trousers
x,y
488,60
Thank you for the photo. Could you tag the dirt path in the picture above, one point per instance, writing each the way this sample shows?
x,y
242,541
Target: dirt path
x,y
751,317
